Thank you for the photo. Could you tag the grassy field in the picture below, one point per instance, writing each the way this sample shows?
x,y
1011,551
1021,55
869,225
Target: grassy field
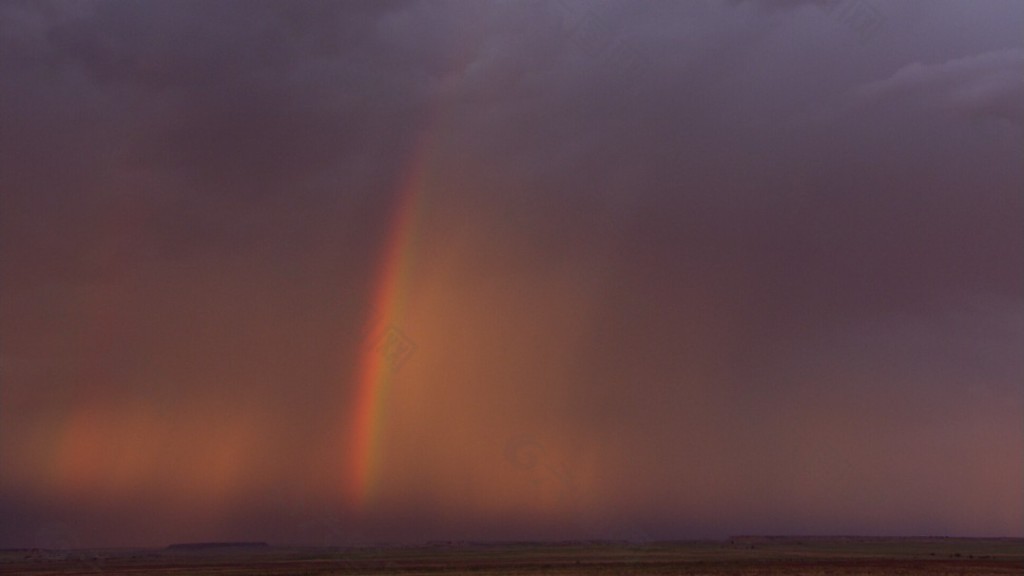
x,y
735,556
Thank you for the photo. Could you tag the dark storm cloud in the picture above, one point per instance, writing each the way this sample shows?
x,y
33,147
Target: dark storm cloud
x,y
203,112
726,266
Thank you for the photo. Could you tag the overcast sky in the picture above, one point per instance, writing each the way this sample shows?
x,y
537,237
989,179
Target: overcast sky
x,y
673,269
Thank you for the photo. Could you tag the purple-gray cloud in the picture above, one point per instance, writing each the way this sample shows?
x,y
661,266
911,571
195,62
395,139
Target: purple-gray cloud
x,y
985,84
725,267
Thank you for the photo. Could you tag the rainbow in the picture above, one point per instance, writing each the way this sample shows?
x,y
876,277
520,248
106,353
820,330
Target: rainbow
x,y
390,295
388,306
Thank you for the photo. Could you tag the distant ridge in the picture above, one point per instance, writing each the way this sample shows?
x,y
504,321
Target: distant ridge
x,y
216,545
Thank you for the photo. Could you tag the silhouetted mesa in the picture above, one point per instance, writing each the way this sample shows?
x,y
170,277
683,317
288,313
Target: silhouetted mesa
x,y
217,545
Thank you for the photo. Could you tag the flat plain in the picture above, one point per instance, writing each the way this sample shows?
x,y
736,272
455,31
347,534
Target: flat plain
x,y
746,555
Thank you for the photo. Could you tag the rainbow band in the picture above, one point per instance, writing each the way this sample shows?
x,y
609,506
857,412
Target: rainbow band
x,y
389,300
387,309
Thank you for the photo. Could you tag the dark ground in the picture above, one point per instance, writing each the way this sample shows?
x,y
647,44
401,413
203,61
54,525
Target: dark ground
x,y
736,556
